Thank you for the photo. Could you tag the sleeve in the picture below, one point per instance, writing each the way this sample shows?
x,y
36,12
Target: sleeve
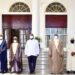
x,y
26,48
61,49
50,48
38,48
4,47
20,51
10,53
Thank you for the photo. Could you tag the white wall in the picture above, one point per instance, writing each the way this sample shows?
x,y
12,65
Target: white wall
x,y
71,21
6,4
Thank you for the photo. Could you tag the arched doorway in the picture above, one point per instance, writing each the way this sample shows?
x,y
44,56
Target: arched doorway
x,y
19,25
56,22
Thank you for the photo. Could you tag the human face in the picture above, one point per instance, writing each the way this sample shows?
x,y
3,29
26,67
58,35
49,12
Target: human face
x,y
55,37
31,37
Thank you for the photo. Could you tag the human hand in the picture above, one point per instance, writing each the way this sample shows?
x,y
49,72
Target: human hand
x,y
50,55
73,53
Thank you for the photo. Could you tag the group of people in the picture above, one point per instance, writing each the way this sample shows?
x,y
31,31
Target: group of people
x,y
32,50
56,56
15,55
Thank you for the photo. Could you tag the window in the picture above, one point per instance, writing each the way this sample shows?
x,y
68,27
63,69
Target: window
x,y
19,7
62,34
55,7
55,24
24,36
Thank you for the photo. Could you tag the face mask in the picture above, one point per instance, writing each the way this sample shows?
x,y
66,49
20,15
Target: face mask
x,y
31,37
14,40
55,37
1,38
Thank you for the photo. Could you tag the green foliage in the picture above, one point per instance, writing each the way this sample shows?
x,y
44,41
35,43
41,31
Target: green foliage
x,y
38,38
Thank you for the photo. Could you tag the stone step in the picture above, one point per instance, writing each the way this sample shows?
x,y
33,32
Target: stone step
x,y
42,65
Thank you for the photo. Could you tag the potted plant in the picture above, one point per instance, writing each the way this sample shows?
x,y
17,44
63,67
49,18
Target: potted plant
x,y
39,40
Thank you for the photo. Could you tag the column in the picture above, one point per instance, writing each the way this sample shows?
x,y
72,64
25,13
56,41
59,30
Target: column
x,y
35,17
1,24
42,29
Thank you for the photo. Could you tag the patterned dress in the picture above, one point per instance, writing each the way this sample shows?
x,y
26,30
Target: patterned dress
x,y
15,59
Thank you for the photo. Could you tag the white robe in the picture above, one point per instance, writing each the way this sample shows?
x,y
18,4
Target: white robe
x,y
70,66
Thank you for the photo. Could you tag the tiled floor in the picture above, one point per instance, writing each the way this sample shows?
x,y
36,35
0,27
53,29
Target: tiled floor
x,y
41,66
35,74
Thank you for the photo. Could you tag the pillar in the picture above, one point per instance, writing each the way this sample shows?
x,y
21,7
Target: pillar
x,y
0,24
35,17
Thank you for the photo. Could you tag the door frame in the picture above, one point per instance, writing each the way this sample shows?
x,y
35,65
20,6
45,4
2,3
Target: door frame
x,y
16,13
53,13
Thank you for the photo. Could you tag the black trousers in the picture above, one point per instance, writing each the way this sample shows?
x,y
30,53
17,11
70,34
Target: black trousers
x,y
32,63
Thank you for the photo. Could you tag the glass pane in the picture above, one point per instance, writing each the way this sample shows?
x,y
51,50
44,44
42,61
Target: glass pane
x,y
21,38
24,34
47,31
21,31
60,30
65,31
53,30
48,38
24,39
27,32
6,35
62,34
51,36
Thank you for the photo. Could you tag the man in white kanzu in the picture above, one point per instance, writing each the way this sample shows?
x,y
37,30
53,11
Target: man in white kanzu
x,y
70,65
32,51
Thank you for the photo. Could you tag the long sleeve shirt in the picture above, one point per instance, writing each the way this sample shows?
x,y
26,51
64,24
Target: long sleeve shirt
x,y
32,48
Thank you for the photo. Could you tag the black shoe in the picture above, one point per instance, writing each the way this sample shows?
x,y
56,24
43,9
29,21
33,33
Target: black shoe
x,y
68,72
32,72
73,72
19,72
3,72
